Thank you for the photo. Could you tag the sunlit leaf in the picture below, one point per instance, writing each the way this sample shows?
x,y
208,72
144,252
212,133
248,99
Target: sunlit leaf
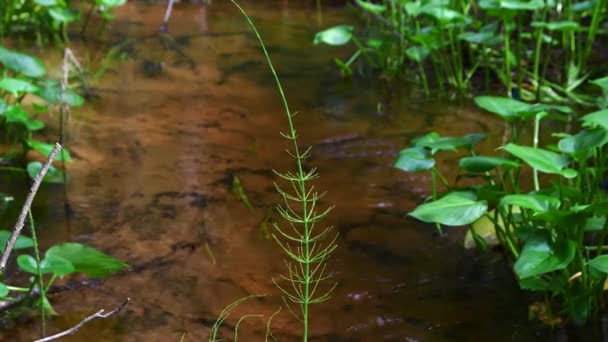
x,y
87,259
479,164
62,14
542,160
599,118
52,175
16,114
539,257
414,159
17,86
21,243
536,202
600,263
584,140
50,264
337,35
454,209
46,150
371,7
22,63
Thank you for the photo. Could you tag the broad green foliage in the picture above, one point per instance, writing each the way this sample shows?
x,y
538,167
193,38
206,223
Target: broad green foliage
x,y
24,77
459,44
556,235
86,259
454,209
337,35
47,20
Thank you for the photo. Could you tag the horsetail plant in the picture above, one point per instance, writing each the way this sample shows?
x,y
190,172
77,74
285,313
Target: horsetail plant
x,y
306,246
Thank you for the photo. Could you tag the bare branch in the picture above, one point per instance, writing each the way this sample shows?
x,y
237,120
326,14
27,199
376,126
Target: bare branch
x,y
10,243
74,329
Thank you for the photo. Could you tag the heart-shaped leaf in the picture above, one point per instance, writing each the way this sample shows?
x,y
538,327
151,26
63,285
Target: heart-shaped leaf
x,y
454,209
414,159
87,259
21,243
337,35
17,86
479,164
46,150
542,160
539,257
536,202
600,263
22,63
50,264
53,175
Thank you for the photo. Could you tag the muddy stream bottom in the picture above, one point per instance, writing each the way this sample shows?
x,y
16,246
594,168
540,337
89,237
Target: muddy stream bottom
x,y
182,114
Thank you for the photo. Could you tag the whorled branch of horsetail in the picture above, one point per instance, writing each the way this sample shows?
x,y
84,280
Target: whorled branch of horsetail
x,y
304,246
10,243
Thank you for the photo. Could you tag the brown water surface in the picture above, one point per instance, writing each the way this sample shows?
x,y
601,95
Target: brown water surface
x,y
182,114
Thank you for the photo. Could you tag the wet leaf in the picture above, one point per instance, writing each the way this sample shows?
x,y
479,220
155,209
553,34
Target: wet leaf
x,y
454,209
3,290
536,202
599,118
337,35
16,114
584,140
17,86
371,7
50,264
414,159
87,259
435,142
542,160
600,263
53,175
539,257
62,14
557,25
46,149
479,164
22,63
21,243
50,91
417,53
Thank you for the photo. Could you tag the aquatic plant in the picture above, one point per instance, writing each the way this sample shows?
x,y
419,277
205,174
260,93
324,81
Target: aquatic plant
x,y
59,261
305,245
23,78
554,228
48,20
539,50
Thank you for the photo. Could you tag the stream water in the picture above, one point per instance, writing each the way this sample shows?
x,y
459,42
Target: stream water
x,y
183,113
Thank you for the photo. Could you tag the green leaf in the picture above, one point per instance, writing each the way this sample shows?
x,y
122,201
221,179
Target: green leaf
x,y
477,37
50,264
417,53
16,114
21,243
536,202
16,86
442,14
479,164
438,143
542,160
63,15
47,3
3,290
22,63
414,159
600,263
111,3
539,257
371,7
522,5
563,26
584,140
46,149
337,35
50,91
599,118
454,209
602,83
510,109
87,259
595,223
53,175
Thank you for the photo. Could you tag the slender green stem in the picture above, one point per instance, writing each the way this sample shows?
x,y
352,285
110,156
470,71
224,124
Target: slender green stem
x,y
38,275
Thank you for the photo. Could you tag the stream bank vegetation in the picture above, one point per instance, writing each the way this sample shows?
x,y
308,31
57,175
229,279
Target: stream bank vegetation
x,y
552,225
537,50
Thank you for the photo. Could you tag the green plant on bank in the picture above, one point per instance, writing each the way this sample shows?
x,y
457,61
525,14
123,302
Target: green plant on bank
x,y
553,224
301,239
48,20
539,50
25,94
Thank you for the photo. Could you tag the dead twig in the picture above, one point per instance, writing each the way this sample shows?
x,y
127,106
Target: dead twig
x,y
10,243
74,329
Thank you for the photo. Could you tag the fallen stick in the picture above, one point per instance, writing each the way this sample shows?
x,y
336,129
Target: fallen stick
x,y
74,329
10,243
